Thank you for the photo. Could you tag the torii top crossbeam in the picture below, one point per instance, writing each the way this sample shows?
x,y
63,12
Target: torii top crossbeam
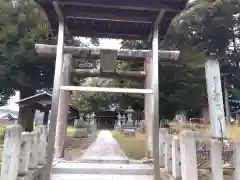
x,y
123,19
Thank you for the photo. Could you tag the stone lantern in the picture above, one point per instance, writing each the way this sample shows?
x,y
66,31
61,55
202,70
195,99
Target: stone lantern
x,y
129,128
129,112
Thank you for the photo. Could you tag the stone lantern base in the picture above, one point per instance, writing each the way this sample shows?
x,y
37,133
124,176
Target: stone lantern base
x,y
129,131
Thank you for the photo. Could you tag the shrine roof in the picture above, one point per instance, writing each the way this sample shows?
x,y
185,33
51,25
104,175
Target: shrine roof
x,y
44,99
123,19
37,98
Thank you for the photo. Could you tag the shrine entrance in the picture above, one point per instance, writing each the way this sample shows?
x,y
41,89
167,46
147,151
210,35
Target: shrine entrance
x,y
105,119
108,58
123,19
105,123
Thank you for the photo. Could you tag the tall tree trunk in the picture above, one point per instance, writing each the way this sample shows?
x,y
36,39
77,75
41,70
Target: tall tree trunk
x,y
27,113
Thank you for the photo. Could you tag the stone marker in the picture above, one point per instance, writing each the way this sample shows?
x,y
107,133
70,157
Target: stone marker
x,y
142,128
118,125
93,125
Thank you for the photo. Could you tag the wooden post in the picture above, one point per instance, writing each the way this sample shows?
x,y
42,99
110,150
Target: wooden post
x,y
148,107
155,102
55,102
45,117
11,152
188,155
63,108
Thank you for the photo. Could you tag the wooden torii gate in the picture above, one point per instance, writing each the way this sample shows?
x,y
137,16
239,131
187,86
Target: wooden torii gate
x,y
123,19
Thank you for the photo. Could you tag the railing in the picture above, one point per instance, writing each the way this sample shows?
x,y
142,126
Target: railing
x,y
185,156
23,154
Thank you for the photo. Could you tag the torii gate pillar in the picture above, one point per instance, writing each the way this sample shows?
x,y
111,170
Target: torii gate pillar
x,y
151,104
64,98
148,108
55,101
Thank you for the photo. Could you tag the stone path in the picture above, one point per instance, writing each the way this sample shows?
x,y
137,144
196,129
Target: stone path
x,y
104,160
105,149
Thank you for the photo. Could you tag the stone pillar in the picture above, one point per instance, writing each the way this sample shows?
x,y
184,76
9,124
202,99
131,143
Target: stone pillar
x,y
25,153
176,160
11,152
148,106
42,144
216,160
215,99
63,108
163,132
236,160
188,155
33,162
168,154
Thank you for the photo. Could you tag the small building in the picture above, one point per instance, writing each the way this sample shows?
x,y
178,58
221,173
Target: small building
x,y
8,116
105,119
42,103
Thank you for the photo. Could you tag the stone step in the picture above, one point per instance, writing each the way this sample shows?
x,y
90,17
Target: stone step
x,y
100,177
104,161
89,168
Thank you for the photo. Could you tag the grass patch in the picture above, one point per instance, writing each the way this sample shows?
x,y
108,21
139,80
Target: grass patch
x,y
2,131
234,132
70,131
134,147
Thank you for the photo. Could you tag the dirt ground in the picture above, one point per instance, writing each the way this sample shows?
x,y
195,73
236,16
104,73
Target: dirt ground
x,y
75,147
